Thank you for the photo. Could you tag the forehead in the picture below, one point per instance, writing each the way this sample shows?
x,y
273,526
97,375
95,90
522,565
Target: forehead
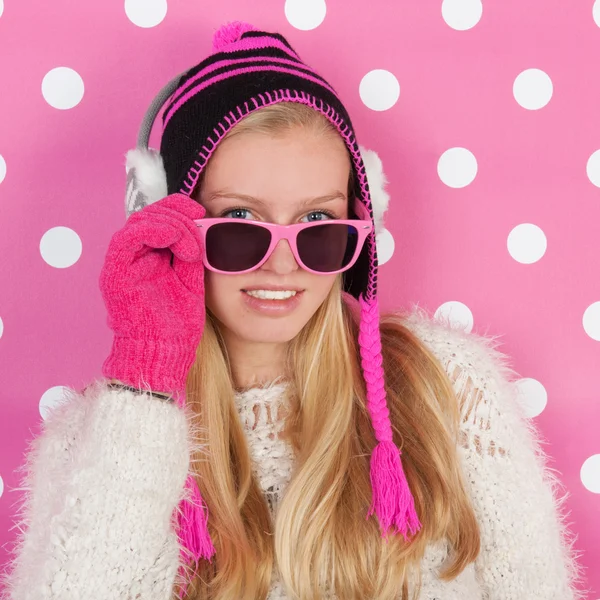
x,y
296,162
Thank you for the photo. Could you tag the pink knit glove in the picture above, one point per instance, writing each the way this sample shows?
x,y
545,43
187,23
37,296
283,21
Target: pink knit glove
x,y
152,283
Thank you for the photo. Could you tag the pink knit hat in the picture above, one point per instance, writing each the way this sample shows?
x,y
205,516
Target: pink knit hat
x,y
249,69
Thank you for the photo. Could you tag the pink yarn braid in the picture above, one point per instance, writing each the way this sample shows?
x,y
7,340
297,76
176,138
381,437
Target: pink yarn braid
x,y
193,533
392,499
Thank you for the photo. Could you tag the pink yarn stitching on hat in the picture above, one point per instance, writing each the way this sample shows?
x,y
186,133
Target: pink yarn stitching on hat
x,y
230,33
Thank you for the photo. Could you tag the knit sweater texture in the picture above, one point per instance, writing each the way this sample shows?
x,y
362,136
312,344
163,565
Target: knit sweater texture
x,y
100,484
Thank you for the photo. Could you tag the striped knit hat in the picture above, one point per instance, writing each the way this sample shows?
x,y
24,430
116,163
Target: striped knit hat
x,y
249,69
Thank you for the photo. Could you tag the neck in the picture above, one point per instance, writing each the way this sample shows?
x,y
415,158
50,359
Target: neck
x,y
255,363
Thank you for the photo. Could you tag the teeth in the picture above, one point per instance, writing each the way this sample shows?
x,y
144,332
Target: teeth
x,y
271,295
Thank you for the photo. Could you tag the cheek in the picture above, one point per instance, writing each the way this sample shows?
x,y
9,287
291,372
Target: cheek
x,y
320,285
220,290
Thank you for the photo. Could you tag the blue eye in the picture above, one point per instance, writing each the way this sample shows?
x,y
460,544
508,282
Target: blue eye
x,y
321,213
238,213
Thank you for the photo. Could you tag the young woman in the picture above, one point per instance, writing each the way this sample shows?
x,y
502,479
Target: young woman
x,y
260,431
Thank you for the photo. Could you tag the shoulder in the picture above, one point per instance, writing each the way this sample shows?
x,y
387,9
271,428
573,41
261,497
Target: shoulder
x,y
477,353
506,468
483,375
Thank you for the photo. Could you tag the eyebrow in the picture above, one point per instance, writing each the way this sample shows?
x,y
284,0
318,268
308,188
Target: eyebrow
x,y
259,202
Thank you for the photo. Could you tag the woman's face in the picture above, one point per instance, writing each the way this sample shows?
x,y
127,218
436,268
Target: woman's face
x,y
297,177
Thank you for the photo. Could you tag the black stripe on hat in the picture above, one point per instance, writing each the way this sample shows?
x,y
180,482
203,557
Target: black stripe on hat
x,y
219,56
257,63
277,36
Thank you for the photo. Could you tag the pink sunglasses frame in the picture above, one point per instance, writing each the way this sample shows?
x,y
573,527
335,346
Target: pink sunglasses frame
x,y
289,233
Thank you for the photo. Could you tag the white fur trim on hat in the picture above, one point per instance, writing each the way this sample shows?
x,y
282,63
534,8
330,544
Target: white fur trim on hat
x,y
377,180
146,179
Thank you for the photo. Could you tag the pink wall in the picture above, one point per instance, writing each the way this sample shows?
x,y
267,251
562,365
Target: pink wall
x,y
488,125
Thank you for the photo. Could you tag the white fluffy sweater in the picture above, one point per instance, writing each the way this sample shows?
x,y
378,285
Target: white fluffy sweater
x,y
101,483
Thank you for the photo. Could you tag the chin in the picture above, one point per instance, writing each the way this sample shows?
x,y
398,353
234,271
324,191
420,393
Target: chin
x,y
275,332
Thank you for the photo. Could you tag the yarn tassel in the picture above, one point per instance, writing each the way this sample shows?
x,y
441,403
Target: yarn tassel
x,y
193,533
392,500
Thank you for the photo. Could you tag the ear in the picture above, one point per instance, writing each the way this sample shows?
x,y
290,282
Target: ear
x,y
146,179
377,180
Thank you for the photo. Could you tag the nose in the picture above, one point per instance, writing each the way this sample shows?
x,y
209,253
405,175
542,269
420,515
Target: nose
x,y
282,259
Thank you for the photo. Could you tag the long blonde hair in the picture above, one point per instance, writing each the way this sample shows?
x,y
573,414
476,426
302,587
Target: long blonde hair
x,y
321,539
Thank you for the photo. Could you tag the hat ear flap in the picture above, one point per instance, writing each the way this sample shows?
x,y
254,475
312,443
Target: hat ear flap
x,y
146,179
377,181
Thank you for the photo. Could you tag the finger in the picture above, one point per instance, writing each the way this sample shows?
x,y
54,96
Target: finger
x,y
133,256
189,247
181,203
156,233
191,274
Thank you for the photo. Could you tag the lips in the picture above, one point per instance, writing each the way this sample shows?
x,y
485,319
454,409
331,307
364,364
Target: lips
x,y
272,288
272,308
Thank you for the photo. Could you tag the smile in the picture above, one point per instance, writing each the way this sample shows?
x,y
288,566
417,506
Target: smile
x,y
271,294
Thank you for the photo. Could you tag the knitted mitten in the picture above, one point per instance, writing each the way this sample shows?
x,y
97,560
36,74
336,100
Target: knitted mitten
x,y
152,283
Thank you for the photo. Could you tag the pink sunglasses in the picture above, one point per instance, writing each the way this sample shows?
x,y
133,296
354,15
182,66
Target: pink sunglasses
x,y
324,247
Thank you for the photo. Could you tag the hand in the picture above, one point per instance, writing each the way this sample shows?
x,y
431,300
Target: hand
x,y
152,283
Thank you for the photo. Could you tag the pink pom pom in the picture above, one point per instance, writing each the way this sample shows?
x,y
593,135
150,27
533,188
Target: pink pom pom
x,y
229,33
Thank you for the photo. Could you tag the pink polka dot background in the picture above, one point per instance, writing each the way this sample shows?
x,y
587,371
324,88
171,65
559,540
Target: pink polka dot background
x,y
485,115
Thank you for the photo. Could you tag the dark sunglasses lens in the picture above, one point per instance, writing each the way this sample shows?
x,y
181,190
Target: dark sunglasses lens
x,y
236,246
327,247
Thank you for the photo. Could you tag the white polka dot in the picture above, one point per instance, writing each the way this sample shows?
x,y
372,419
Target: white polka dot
x,y
590,474
60,247
384,241
379,89
1,327
532,395
50,399
146,13
593,168
456,314
457,167
596,12
527,243
305,14
2,168
462,14
532,89
62,88
1,7
1,480
591,321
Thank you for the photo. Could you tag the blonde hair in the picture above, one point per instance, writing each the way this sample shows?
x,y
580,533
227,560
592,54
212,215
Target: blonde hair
x,y
321,539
